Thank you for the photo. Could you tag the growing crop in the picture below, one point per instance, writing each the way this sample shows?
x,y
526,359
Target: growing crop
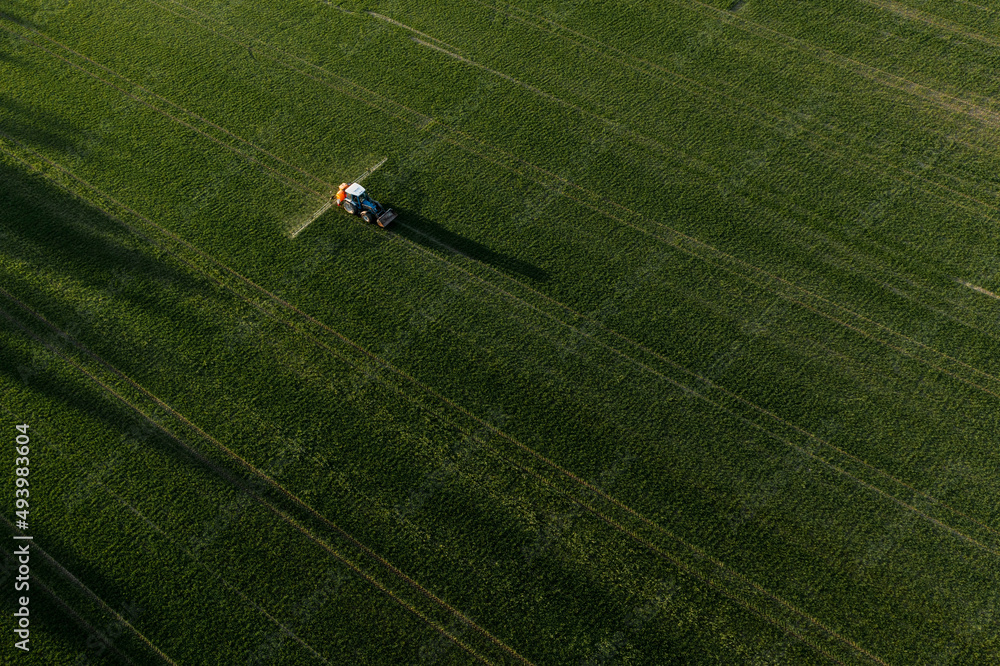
x,y
682,349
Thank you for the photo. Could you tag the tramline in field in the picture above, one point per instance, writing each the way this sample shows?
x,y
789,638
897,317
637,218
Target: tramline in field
x,y
689,355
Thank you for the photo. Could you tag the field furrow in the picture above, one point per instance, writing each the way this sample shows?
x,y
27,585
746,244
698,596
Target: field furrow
x,y
682,347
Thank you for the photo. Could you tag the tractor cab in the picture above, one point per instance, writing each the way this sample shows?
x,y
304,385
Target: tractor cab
x,y
357,196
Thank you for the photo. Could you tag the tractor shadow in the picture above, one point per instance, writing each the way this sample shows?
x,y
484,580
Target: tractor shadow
x,y
423,231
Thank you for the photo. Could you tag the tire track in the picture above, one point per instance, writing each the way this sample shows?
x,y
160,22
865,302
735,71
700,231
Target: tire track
x,y
658,551
242,462
777,120
729,573
69,610
702,379
213,574
424,120
755,588
412,380
769,414
932,20
729,396
876,74
567,474
288,181
225,475
87,627
417,118
710,248
738,98
186,112
980,7
86,590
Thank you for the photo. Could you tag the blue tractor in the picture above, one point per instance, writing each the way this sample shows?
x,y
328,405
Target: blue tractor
x,y
357,202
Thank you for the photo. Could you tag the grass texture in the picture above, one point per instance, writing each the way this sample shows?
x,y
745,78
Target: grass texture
x,y
683,347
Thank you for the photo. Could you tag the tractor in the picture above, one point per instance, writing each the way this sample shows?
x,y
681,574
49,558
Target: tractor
x,y
357,202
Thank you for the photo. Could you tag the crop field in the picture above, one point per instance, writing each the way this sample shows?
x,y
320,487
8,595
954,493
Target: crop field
x,y
684,347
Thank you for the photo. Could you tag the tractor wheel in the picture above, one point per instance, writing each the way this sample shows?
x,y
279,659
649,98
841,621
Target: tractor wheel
x,y
349,207
367,216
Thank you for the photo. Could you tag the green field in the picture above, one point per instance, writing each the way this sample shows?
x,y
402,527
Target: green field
x,y
683,349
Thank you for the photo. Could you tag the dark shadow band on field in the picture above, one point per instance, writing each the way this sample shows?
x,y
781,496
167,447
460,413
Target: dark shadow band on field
x,y
424,231
51,623
36,371
14,363
6,16
47,230
7,57
35,127
44,224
